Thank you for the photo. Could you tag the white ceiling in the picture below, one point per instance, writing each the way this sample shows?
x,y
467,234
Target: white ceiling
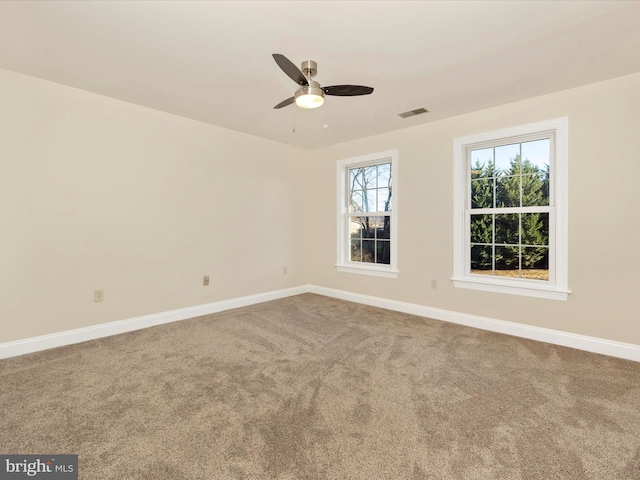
x,y
211,61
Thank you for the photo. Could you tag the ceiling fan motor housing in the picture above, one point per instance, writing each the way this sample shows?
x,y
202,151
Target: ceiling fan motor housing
x,y
312,95
312,89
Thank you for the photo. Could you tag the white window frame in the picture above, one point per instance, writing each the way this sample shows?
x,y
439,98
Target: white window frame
x,y
344,263
557,286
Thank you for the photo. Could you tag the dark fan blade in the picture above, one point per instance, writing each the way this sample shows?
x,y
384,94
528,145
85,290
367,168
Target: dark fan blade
x,y
286,102
347,90
290,69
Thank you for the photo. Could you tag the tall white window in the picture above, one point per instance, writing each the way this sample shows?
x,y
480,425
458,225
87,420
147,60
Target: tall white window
x,y
510,201
367,202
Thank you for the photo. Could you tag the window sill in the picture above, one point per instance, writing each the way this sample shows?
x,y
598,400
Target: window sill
x,y
385,272
529,289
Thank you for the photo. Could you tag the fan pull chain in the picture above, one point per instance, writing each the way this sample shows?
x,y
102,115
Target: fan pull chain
x,y
325,125
293,128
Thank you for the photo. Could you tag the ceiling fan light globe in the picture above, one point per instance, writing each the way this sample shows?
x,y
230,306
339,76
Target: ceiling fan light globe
x,y
309,97
309,101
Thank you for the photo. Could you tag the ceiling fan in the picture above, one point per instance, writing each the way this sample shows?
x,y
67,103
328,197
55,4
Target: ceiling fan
x,y
311,94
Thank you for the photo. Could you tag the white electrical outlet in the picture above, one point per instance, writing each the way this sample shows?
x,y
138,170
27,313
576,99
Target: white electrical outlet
x,y
98,295
205,280
434,283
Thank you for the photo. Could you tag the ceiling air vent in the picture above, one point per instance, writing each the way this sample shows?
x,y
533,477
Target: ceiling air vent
x,y
413,113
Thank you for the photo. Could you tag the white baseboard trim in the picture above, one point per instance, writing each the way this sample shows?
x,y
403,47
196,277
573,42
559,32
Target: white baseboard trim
x,y
612,348
45,342
582,342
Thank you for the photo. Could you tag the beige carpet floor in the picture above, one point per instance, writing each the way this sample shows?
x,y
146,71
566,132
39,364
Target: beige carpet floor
x,y
311,387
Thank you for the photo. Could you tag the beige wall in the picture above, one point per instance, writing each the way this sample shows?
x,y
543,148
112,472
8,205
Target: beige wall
x,y
98,193
604,231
